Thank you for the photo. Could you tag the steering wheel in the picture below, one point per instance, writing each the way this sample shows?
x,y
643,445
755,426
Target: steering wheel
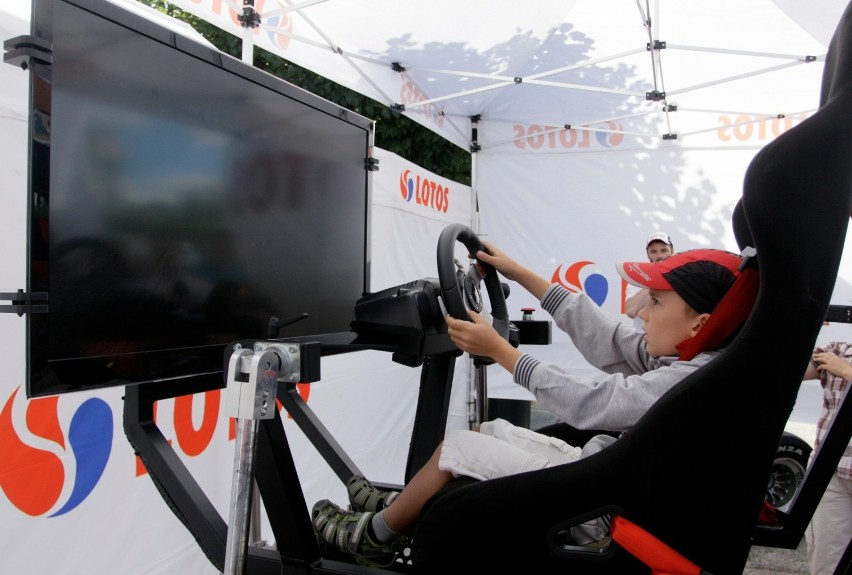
x,y
460,290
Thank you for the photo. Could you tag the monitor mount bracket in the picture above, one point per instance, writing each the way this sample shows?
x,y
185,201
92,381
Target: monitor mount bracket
x,y
23,51
251,388
24,302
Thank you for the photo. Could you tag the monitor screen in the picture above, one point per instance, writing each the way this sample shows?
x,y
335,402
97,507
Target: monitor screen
x,y
179,200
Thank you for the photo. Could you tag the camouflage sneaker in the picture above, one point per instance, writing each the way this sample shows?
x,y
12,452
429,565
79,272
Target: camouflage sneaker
x,y
345,532
363,496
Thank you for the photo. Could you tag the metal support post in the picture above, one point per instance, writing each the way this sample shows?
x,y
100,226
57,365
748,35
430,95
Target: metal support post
x,y
250,399
481,383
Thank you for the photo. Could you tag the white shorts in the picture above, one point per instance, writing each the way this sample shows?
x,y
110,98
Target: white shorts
x,y
500,449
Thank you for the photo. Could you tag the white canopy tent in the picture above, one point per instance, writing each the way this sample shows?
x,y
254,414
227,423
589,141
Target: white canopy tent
x,y
636,73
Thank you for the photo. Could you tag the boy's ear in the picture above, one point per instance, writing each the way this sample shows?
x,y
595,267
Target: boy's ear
x,y
698,322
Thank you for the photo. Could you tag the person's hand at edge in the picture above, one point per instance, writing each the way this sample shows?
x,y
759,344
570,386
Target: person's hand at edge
x,y
834,364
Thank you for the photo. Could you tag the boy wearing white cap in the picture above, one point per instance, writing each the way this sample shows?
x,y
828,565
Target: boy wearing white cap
x,y
692,313
658,247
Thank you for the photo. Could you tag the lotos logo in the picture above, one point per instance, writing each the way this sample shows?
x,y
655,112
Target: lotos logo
x,y
537,137
45,470
747,127
425,192
580,277
191,436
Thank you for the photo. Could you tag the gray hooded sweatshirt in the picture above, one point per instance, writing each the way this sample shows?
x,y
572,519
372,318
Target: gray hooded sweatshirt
x,y
632,381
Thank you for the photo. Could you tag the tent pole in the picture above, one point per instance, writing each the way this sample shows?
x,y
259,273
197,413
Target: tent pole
x,y
250,20
248,47
474,192
477,391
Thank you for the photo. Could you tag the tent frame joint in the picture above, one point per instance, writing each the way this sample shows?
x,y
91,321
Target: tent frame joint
x,y
474,133
250,18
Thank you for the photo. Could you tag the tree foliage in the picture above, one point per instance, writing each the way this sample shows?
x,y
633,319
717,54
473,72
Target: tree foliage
x,y
394,132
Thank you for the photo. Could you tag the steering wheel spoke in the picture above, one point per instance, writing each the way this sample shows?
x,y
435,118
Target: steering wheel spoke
x,y
460,290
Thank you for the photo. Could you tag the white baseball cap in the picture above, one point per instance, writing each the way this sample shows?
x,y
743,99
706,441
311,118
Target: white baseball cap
x,y
659,237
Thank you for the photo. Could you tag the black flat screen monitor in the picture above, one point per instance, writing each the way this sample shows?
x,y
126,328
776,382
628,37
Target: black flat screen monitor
x,y
179,199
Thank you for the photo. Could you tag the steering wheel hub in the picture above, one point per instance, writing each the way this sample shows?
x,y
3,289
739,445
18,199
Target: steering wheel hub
x,y
472,294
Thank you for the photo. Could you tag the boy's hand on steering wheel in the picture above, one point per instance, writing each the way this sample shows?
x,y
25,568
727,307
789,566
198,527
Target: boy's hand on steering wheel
x,y
476,337
493,256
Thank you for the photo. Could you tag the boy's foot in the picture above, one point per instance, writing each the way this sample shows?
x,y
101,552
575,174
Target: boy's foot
x,y
347,532
363,496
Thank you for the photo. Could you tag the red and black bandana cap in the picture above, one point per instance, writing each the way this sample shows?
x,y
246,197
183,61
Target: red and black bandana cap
x,y
701,277
709,281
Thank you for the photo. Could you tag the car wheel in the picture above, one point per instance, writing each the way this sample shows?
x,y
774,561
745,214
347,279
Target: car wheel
x,y
788,470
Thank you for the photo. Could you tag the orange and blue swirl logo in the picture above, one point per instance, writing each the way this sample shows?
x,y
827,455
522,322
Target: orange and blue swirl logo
x,y
612,138
424,191
278,27
406,185
583,277
44,470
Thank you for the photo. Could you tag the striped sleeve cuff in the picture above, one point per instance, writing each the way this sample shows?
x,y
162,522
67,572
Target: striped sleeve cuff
x,y
523,370
554,296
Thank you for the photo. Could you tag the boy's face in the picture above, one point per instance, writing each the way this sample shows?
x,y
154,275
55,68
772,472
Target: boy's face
x,y
668,320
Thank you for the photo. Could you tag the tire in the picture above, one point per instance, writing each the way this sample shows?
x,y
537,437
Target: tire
x,y
788,470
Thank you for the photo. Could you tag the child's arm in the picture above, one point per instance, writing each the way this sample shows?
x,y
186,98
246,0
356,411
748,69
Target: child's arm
x,y
512,270
811,372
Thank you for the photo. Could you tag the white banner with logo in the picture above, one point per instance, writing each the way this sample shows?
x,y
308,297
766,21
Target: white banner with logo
x,y
411,207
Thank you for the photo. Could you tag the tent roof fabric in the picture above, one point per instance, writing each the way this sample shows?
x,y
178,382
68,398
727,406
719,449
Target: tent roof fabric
x,y
651,72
